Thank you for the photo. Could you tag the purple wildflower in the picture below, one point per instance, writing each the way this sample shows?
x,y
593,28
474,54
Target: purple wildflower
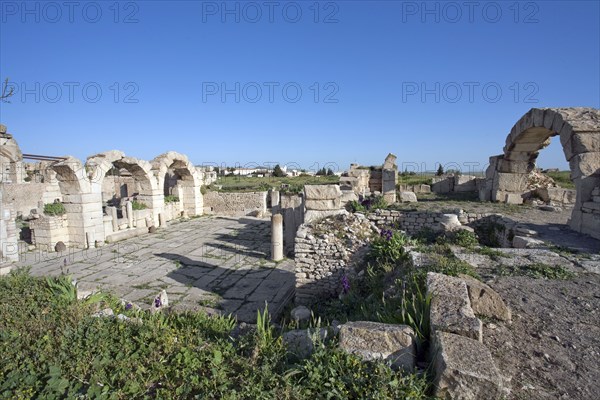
x,y
345,284
157,302
128,306
366,203
387,234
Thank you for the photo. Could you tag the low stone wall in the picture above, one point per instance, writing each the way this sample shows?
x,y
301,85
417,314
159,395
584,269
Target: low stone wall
x,y
413,222
235,204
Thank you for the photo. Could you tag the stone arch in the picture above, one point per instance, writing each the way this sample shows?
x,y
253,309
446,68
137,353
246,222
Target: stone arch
x,y
579,132
75,189
188,180
100,165
143,185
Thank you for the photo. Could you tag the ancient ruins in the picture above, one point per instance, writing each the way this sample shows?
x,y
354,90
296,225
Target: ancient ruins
x,y
275,247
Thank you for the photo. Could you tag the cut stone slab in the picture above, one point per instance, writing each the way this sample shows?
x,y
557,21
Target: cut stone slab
x,y
322,192
526,242
464,369
376,340
485,301
323,205
314,215
451,307
408,197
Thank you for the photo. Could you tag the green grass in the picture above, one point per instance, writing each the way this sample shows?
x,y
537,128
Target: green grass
x,y
52,347
562,179
537,271
417,179
253,184
492,253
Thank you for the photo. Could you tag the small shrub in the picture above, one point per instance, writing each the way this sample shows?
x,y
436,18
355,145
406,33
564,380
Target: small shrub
x,y
56,208
379,203
263,187
389,247
464,238
355,206
426,236
172,199
138,205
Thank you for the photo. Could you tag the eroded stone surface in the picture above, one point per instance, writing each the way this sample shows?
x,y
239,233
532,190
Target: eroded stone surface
x,y
464,369
485,301
450,306
375,340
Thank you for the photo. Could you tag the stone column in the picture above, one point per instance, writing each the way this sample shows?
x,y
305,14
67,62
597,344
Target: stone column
x,y
112,211
129,214
277,237
274,201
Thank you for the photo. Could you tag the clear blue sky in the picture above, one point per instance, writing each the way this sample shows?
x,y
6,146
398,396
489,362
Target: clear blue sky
x,y
362,68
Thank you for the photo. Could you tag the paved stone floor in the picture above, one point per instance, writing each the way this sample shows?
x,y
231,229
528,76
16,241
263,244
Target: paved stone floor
x,y
208,262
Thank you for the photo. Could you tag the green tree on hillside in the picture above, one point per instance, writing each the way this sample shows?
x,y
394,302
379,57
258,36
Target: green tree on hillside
x,y
440,170
278,172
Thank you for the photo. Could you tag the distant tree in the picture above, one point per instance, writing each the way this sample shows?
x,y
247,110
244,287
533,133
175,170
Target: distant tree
x,y
330,172
440,171
6,94
278,172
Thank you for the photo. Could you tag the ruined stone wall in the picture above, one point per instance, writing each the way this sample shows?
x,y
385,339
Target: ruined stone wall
x,y
49,230
27,196
456,184
235,204
413,222
8,232
118,187
327,250
415,188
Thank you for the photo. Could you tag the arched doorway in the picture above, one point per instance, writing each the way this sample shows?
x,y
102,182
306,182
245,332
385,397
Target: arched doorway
x,y
179,179
579,132
119,179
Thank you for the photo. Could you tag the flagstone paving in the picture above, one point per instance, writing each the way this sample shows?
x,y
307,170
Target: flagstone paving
x,y
208,262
